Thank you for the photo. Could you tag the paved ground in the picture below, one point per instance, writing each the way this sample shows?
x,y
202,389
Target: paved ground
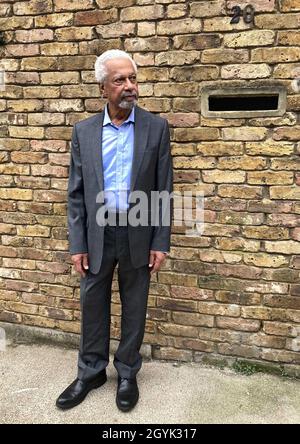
x,y
32,376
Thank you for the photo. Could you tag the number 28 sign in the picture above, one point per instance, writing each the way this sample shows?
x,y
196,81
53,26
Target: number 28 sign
x,y
247,13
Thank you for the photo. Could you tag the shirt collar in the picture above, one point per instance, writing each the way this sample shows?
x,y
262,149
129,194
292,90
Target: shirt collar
x,y
107,120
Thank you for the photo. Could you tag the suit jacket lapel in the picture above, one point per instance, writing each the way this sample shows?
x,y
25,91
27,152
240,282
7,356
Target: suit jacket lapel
x,y
96,147
141,132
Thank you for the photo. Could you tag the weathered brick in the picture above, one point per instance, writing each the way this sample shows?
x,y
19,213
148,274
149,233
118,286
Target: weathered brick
x,y
74,33
289,38
259,5
138,13
116,30
265,260
241,191
49,170
80,91
270,177
61,132
63,105
147,44
238,324
34,35
195,319
249,38
194,162
281,356
41,92
194,73
48,145
182,26
237,297
269,148
95,17
27,132
54,20
39,64
58,78
50,49
285,192
241,162
176,11
265,232
24,105
194,41
45,119
221,176
177,58
15,193
179,89
21,50
251,71
34,7
223,24
285,133
289,118
276,55
244,133
277,21
21,157
72,5
177,279
286,70
156,104
224,56
284,247
9,23
182,119
173,353
146,29
289,5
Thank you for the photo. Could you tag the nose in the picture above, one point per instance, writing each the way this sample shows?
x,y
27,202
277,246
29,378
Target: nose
x,y
128,84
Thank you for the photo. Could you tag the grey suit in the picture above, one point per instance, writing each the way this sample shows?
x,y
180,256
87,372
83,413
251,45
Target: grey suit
x,y
108,246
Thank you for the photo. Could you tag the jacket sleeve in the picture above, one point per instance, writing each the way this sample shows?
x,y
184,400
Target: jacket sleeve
x,y
164,181
76,205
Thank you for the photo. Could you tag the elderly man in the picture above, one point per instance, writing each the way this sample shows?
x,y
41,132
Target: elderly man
x,y
116,153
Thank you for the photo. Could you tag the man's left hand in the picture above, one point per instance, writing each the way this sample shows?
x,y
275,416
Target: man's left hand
x,y
156,259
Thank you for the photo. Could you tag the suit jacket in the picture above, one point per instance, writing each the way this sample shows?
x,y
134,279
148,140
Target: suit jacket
x,y
151,171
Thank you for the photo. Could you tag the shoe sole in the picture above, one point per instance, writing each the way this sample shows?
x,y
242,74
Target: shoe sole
x,y
78,401
126,409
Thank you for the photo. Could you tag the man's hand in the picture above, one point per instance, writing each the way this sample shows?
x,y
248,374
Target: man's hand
x,y
156,259
81,263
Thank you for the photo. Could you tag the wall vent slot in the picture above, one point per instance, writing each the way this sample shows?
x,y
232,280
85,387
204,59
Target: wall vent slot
x,y
242,102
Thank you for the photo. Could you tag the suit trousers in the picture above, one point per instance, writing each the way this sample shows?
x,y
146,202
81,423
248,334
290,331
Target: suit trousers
x,y
95,301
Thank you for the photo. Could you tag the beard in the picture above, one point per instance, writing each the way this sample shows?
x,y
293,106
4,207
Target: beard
x,y
125,104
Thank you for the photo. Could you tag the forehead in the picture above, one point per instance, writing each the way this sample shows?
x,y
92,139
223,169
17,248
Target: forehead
x,y
119,67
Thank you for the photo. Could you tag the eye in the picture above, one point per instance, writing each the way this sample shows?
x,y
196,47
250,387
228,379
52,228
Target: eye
x,y
132,79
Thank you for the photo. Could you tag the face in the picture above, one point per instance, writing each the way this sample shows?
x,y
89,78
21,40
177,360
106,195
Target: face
x,y
120,86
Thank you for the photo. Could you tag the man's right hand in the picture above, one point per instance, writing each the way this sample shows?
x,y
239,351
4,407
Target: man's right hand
x,y
81,263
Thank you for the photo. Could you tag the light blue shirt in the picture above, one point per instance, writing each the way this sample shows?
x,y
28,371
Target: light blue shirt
x,y
117,155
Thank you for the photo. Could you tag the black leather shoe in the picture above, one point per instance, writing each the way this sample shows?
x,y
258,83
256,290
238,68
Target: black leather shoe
x,y
77,391
127,394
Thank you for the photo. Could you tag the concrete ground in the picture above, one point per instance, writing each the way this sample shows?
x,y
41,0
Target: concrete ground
x,y
32,376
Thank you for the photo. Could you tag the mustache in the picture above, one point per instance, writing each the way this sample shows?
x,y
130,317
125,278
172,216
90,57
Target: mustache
x,y
129,94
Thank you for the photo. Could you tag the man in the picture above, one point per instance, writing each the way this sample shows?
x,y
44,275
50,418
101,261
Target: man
x,y
119,152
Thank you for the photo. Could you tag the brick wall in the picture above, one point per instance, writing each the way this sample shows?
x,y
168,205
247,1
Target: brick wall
x,y
234,291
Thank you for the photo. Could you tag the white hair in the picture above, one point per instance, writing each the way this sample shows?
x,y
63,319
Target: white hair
x,y
100,64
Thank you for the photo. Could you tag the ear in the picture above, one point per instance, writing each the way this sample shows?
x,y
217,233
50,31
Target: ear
x,y
102,90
